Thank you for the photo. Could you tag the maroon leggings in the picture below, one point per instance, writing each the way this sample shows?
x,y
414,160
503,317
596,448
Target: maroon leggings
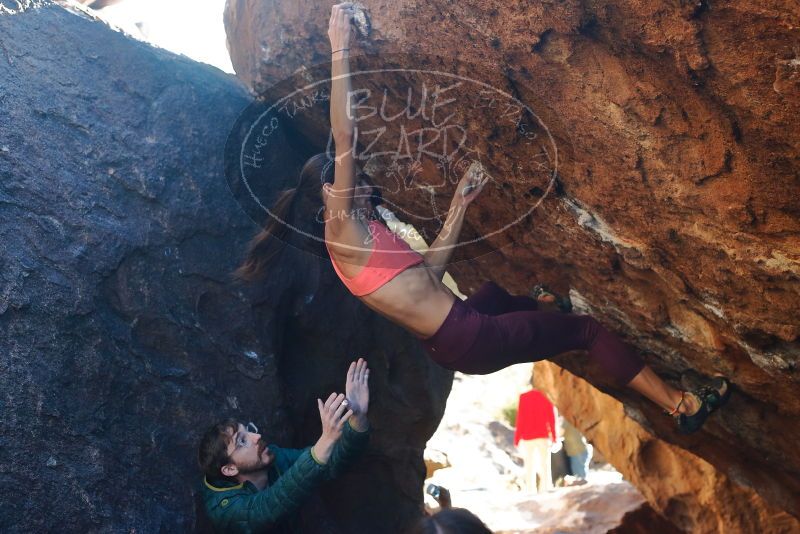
x,y
492,330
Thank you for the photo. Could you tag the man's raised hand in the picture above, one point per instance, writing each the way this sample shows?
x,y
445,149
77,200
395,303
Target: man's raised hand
x,y
357,391
334,413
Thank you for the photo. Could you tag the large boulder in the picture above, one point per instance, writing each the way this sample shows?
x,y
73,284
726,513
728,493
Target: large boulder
x,y
669,133
122,333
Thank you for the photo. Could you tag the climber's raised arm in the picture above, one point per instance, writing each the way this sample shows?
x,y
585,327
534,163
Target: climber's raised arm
x,y
442,248
340,197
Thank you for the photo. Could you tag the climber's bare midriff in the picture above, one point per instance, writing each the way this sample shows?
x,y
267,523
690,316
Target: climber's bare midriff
x,y
415,299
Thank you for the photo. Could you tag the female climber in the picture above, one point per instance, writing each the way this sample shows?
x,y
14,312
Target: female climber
x,y
484,333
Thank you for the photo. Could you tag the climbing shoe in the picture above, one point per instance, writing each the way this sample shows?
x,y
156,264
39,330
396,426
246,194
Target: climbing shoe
x,y
563,303
717,392
691,423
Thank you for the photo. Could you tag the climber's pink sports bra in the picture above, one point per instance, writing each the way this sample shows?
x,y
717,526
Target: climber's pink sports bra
x,y
390,256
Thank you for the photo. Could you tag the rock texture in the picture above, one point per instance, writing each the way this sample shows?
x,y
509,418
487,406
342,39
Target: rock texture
x,y
674,213
99,4
644,520
122,336
692,493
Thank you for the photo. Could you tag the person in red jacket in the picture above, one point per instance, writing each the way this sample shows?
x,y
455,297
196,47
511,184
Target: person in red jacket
x,y
535,433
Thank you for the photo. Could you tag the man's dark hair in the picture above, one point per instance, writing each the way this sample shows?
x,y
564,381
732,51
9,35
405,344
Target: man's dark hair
x,y
451,521
213,452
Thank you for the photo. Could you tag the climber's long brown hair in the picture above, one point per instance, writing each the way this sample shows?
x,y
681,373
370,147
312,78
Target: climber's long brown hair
x,y
305,199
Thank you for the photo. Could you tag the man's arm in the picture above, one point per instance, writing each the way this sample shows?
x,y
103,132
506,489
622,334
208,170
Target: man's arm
x,y
355,435
551,423
351,446
289,457
265,508
442,248
285,495
521,414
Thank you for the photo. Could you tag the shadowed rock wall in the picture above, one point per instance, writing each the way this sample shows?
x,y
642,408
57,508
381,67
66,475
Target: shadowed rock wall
x,y
675,217
122,336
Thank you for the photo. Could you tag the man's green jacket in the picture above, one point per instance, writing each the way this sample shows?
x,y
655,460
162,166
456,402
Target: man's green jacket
x,y
293,475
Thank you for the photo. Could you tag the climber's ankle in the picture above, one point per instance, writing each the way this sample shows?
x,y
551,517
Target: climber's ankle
x,y
685,403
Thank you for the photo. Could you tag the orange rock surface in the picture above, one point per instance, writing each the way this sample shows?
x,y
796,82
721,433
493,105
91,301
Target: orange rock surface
x,y
691,492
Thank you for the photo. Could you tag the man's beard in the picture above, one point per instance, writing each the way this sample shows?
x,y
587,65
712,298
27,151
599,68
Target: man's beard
x,y
260,464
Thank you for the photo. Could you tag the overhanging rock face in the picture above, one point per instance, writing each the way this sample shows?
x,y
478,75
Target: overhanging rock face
x,y
673,214
122,335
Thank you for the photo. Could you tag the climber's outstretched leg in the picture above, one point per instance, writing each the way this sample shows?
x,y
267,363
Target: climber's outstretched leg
x,y
477,343
691,408
651,386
